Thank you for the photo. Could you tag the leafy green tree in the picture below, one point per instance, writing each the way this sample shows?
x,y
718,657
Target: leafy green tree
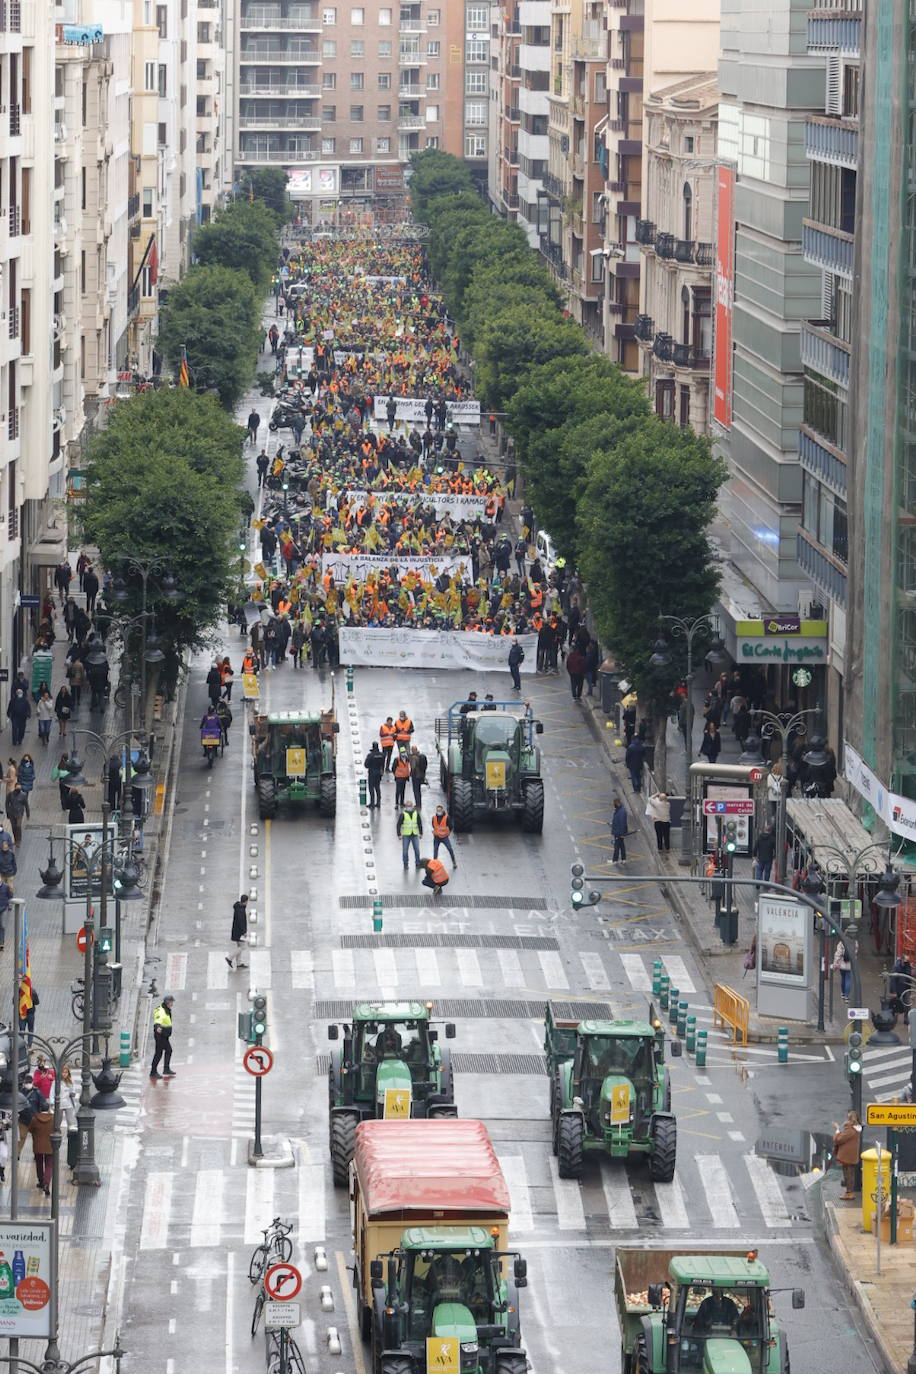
x,y
475,244
445,216
516,340
268,184
644,549
434,174
509,281
214,313
243,237
164,483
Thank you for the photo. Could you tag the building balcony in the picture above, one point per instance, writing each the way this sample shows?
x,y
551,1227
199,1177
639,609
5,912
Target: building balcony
x,y
841,34
249,23
684,250
411,90
822,571
275,155
617,188
821,352
13,318
816,458
509,199
287,90
578,165
512,113
705,255
274,57
829,141
663,348
510,155
14,221
827,247
133,206
644,328
15,121
664,245
554,255
411,123
411,57
306,122
685,355
554,186
412,25
645,232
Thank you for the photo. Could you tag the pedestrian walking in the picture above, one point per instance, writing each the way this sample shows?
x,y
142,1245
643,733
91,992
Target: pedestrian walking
x,y
83,564
239,931
63,709
374,765
711,743
435,875
76,676
27,780
254,424
575,666
401,772
6,896
658,807
62,576
591,667
635,758
61,774
44,712
516,659
418,766
76,807
91,589
226,675
386,734
28,997
442,833
69,1098
843,964
847,1147
162,1038
214,683
410,828
18,711
40,1128
43,1077
16,805
619,829
8,864
10,775
764,853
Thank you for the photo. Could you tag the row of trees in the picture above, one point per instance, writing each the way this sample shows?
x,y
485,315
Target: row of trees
x,y
164,477
625,496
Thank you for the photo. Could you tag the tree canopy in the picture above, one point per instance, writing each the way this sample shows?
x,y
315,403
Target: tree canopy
x,y
243,237
268,184
436,174
214,313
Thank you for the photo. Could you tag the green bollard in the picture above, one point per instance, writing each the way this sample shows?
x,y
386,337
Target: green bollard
x,y
349,679
377,915
362,791
124,1056
682,1019
657,968
782,1045
672,1006
701,1049
690,1036
663,992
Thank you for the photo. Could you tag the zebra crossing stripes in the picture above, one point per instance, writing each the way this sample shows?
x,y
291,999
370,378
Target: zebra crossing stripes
x,y
769,1194
206,1216
637,973
595,972
715,1182
259,1203
672,1205
568,1197
621,1208
516,1176
887,1069
302,969
344,969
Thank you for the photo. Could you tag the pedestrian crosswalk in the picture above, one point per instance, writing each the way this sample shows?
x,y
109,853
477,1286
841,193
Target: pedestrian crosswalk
x,y
887,1070
711,1193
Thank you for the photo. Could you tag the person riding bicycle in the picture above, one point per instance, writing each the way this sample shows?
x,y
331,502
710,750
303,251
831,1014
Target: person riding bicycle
x,y
211,729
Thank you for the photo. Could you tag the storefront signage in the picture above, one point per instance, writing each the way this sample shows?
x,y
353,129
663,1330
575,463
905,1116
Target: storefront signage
x,y
782,625
797,649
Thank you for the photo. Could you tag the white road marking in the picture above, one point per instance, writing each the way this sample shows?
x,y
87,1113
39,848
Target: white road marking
x,y
715,1184
386,969
428,975
636,972
312,1220
620,1209
206,1217
157,1210
469,969
259,1203
176,971
344,971
677,972
302,967
217,970
513,1167
595,972
769,1194
259,974
510,969
671,1206
570,1212
553,970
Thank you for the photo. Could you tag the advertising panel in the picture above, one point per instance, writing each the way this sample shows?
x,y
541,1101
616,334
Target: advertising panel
x,y
25,1276
783,928
725,292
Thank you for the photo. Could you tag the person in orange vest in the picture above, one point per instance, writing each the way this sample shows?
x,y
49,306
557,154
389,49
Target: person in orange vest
x,y
386,734
401,773
436,875
403,728
442,829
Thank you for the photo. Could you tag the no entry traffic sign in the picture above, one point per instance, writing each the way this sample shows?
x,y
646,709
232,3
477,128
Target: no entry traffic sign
x,y
82,939
258,1061
742,807
282,1282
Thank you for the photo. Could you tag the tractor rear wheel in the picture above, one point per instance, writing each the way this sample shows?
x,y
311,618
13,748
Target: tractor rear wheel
x,y
397,1364
267,798
570,1152
343,1143
664,1154
462,804
510,1362
641,1365
533,814
327,799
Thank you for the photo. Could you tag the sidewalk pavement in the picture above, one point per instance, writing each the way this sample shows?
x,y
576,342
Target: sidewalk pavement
x,y
883,1300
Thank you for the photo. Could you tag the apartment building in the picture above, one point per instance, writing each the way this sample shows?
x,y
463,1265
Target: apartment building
x,y
674,326
519,112
504,115
623,180
211,106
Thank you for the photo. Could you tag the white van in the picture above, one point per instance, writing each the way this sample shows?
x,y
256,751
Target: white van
x,y
545,550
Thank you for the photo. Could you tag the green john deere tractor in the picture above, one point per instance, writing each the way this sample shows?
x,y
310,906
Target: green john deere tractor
x,y
489,762
293,760
447,1282
390,1065
609,1091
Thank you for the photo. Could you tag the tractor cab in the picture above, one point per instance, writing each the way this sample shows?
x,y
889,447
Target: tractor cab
x,y
489,761
718,1314
615,1072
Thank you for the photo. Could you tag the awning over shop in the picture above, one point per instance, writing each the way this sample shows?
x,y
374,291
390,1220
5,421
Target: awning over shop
x,y
833,836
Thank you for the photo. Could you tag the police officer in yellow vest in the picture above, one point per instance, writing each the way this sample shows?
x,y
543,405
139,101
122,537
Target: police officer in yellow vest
x,y
410,828
162,1038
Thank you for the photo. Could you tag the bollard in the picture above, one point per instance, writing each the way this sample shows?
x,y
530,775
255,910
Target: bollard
x,y
701,1049
124,1056
674,994
350,679
690,1036
362,791
782,1045
682,1019
657,977
377,915
663,992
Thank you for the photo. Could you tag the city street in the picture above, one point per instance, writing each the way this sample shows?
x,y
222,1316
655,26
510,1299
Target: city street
x,y
501,942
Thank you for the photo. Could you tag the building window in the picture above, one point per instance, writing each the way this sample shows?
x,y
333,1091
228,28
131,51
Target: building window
x,y
432,19
329,47
383,113
475,145
432,114
163,131
688,143
358,16
383,145
477,17
475,83
597,266
357,48
432,81
475,50
384,47
150,76
850,92
356,114
356,145
329,81
328,114
163,80
146,281
147,202
475,113
328,146
432,142
688,211
384,18
384,81
203,33
664,399
825,411
328,17
433,48
357,81
162,20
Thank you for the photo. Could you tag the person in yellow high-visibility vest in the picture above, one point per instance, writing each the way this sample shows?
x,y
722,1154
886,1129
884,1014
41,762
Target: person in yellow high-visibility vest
x,y
162,1038
410,828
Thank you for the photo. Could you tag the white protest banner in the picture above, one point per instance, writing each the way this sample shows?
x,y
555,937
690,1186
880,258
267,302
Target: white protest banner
x,y
399,647
342,566
454,504
412,410
385,281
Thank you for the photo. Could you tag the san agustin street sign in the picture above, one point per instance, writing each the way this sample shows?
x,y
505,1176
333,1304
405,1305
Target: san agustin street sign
x,y
899,1116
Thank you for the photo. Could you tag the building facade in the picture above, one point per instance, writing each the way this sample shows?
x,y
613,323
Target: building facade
x,y
519,112
674,327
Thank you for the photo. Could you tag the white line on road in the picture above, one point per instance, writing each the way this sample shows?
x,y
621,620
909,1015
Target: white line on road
x,y
636,972
671,1206
386,969
769,1194
595,972
677,972
620,1209
513,1167
208,1207
302,963
157,1210
566,1191
176,971
259,1201
217,970
510,969
717,1188
469,969
313,1224
259,974
428,975
344,971
553,970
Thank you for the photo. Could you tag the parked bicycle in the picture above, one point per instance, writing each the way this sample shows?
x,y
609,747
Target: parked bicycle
x,y
283,1354
77,995
275,1248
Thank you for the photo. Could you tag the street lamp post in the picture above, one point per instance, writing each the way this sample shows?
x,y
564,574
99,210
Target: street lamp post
x,y
152,652
782,723
689,630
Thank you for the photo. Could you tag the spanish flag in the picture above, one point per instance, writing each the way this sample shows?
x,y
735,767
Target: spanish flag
x,y
25,970
183,379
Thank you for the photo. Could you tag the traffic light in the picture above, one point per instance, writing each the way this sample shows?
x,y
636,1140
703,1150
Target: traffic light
x,y
104,942
854,1056
245,1027
258,1017
578,896
730,836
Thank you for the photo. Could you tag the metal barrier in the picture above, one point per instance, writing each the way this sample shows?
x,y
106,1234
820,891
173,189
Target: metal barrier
x,y
731,1010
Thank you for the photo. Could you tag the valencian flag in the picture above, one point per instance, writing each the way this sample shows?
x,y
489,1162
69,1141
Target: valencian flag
x,y
25,969
183,373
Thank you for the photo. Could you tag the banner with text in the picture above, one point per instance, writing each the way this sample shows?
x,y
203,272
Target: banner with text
x,y
412,410
342,566
404,648
454,504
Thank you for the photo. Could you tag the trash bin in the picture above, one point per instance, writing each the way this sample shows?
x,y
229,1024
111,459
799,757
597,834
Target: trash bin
x,y
73,1148
609,686
870,1183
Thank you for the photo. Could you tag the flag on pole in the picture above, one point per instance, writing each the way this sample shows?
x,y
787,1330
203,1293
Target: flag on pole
x,y
183,379
25,969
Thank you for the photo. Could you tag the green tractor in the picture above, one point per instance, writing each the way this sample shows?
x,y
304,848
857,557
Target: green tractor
x,y
446,1284
489,762
293,760
390,1065
610,1091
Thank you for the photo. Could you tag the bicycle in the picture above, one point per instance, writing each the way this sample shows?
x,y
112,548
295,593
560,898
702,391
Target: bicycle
x,y
283,1354
77,995
275,1248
